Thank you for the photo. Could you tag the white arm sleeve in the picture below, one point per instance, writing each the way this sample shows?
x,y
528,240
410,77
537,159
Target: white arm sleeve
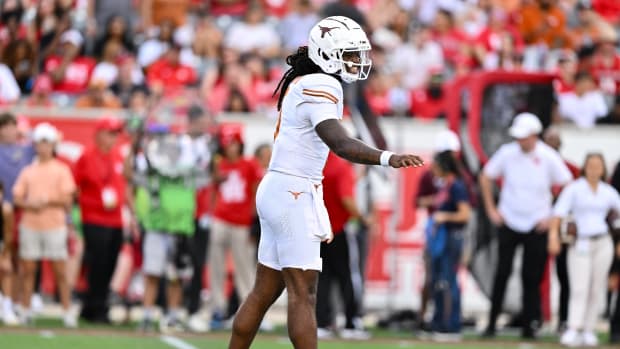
x,y
559,171
322,95
495,166
319,112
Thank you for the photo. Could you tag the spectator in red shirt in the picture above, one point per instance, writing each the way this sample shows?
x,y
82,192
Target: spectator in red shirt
x,y
236,179
168,74
566,70
498,44
338,189
72,76
101,185
453,41
609,9
377,94
263,79
228,7
277,8
429,102
221,88
606,68
69,71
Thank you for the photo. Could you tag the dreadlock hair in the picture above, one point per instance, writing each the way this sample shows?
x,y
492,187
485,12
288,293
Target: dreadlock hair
x,y
301,64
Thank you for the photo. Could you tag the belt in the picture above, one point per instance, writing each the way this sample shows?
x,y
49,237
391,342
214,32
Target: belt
x,y
593,237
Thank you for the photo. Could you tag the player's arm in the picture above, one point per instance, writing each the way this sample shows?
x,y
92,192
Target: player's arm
x,y
354,150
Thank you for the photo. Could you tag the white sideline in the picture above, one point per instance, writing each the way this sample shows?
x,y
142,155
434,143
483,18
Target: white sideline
x,y
47,334
176,343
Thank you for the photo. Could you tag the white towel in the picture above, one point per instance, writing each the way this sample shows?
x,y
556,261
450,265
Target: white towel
x,y
324,231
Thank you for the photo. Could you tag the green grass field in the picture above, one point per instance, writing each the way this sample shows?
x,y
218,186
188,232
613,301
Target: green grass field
x,y
47,340
48,334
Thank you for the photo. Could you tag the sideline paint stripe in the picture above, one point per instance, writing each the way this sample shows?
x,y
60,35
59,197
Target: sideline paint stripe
x,y
47,334
176,343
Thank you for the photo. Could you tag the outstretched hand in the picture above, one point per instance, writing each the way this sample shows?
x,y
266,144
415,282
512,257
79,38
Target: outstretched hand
x,y
405,160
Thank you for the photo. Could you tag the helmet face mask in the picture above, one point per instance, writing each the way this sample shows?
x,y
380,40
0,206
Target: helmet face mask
x,y
338,45
356,65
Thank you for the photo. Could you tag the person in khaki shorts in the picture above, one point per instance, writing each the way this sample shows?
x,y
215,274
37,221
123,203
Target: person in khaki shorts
x,y
44,191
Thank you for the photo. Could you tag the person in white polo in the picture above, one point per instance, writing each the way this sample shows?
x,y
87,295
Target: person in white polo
x,y
528,169
589,200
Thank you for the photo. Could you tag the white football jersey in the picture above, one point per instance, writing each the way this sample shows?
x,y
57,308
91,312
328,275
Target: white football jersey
x,y
297,149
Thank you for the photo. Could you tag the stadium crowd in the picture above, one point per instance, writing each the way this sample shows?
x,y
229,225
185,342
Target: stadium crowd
x,y
181,200
125,54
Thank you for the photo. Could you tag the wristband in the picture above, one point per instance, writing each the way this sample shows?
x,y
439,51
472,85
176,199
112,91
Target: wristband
x,y
384,160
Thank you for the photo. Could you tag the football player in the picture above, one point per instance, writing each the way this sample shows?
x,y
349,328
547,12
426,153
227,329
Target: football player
x,y
289,199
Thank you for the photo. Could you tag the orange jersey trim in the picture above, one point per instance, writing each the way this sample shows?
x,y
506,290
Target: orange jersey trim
x,y
318,93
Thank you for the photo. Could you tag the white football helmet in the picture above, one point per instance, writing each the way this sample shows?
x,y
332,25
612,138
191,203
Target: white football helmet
x,y
338,45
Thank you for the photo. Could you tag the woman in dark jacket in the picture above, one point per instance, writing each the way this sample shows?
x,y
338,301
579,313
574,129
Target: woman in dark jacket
x,y
452,212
